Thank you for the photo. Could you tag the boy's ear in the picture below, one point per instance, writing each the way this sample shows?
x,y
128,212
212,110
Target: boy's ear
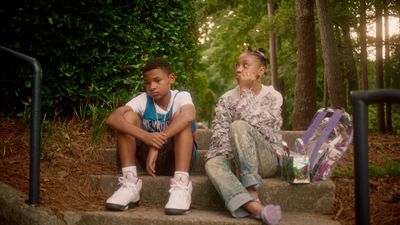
x,y
171,77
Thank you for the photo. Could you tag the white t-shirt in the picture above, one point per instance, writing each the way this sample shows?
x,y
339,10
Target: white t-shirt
x,y
154,118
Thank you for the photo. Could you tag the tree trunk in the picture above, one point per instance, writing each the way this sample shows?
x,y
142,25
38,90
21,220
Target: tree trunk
x,y
350,70
305,89
363,45
388,78
272,50
276,82
330,56
379,65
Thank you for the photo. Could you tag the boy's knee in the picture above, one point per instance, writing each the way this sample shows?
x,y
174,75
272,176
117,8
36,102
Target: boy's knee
x,y
132,118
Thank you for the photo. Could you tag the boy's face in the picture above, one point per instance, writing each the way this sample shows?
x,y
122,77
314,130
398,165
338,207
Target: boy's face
x,y
158,83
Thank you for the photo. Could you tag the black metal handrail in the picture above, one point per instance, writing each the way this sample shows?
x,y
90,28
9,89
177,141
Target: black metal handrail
x,y
360,101
34,167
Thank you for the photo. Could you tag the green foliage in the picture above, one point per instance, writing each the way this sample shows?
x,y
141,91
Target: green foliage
x,y
391,169
93,51
204,99
226,29
98,119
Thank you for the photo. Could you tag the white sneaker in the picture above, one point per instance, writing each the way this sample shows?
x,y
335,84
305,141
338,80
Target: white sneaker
x,y
127,196
180,198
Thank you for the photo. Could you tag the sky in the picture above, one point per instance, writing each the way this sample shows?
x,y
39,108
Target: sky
x,y
394,29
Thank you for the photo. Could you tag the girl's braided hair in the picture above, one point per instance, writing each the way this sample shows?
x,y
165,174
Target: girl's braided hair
x,y
259,53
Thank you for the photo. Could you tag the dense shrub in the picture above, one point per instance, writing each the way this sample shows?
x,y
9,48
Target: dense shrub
x,y
92,51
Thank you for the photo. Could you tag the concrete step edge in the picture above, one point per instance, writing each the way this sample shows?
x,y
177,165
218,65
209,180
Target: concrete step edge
x,y
156,216
315,197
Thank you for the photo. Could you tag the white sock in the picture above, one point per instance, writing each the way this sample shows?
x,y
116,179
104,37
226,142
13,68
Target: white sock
x,y
182,176
129,169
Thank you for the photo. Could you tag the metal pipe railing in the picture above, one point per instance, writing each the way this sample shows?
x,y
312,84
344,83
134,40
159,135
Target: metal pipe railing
x,y
360,101
34,166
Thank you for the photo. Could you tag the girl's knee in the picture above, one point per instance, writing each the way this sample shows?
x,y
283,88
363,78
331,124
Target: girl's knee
x,y
211,165
239,127
217,163
238,124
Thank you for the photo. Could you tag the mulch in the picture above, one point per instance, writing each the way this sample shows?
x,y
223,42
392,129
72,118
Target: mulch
x,y
69,156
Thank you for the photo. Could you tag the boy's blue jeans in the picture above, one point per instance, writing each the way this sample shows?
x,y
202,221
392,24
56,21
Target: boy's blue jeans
x,y
255,159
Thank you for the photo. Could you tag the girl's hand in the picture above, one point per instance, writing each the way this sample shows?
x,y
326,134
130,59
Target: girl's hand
x,y
247,80
151,162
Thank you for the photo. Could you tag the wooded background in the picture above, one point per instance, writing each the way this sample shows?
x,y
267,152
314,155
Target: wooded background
x,y
92,52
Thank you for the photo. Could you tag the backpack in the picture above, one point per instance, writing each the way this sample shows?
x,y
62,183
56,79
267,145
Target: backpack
x,y
326,140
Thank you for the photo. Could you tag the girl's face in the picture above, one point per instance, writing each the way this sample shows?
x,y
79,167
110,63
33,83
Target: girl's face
x,y
158,83
249,64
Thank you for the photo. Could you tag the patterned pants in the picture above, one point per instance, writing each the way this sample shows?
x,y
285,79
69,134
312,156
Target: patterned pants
x,y
255,159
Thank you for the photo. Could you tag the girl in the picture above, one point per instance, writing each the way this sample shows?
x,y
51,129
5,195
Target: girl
x,y
245,139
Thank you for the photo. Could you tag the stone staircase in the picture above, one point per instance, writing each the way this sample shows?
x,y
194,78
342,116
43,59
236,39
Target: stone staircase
x,y
303,204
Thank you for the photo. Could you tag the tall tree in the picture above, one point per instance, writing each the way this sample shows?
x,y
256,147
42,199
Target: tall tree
x,y
305,89
332,70
349,63
363,45
344,16
388,112
272,49
277,83
379,64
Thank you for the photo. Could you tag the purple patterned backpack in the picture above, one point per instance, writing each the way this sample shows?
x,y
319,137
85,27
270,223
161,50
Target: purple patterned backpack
x,y
326,140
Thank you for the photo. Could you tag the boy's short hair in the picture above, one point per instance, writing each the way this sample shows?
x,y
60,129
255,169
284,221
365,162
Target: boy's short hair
x,y
157,63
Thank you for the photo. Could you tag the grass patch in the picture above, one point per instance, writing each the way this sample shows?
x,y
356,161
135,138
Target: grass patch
x,y
390,169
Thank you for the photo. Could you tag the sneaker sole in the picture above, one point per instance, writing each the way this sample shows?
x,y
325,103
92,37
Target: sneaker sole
x,y
177,211
116,207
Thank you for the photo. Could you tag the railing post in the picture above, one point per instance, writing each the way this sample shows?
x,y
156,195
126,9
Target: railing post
x,y
34,166
34,174
360,126
360,101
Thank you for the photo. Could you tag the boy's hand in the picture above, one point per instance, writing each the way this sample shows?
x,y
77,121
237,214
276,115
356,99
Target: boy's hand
x,y
151,162
156,139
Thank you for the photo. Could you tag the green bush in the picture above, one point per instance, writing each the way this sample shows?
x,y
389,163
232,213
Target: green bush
x,y
92,51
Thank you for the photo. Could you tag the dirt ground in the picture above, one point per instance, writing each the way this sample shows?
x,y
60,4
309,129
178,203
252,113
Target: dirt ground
x,y
69,157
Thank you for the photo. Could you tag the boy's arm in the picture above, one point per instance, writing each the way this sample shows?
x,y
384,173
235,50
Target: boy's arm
x,y
117,121
184,118
151,161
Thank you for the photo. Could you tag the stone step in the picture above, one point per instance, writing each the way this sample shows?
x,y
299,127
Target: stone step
x,y
155,216
14,210
316,197
203,140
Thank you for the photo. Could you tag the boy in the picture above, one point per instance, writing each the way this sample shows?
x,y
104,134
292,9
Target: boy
x,y
155,128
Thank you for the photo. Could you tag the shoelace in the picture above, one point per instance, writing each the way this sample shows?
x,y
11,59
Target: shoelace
x,y
176,185
123,181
